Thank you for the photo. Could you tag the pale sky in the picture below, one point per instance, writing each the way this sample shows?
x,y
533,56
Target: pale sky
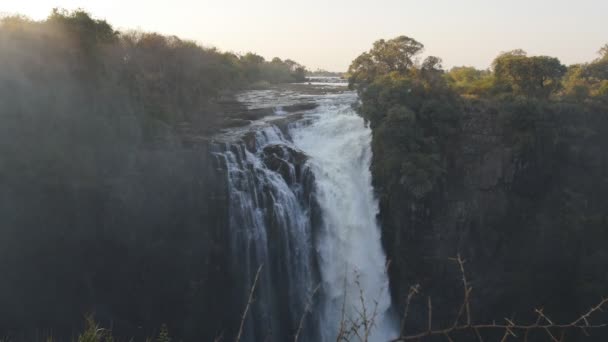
x,y
329,34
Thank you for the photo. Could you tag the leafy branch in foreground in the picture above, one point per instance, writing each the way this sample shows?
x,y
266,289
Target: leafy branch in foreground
x,y
464,323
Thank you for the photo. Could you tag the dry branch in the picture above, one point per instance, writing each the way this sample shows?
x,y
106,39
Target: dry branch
x,y
249,302
306,312
509,328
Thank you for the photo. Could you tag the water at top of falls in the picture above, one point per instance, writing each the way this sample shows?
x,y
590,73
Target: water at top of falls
x,y
348,246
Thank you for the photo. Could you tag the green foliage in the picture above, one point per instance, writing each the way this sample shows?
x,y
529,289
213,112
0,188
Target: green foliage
x,y
94,333
415,110
469,81
393,55
575,85
91,32
278,71
163,335
413,113
598,69
256,69
603,52
324,73
588,82
156,77
537,76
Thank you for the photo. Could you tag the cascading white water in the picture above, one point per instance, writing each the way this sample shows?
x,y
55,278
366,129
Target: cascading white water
x,y
270,227
350,254
302,205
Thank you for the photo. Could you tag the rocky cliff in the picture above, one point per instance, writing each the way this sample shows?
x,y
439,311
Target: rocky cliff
x,y
525,207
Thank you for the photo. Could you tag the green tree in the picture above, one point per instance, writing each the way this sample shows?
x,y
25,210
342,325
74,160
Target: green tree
x,y
432,63
598,69
470,81
576,85
89,31
386,56
603,52
537,76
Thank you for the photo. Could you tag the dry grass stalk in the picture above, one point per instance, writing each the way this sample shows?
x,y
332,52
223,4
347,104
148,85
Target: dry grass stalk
x,y
249,302
306,312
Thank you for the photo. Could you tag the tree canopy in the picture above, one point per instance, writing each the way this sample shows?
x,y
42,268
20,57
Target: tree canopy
x,y
386,56
536,76
603,51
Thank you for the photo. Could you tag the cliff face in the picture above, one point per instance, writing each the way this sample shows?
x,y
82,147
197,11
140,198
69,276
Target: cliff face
x,y
138,249
138,229
525,208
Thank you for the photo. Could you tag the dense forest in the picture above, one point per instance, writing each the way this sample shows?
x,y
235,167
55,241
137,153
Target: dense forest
x,y
505,166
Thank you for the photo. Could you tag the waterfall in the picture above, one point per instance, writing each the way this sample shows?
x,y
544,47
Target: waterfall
x,y
270,223
351,258
301,204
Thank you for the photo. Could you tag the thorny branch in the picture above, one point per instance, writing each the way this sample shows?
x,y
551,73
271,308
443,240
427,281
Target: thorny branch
x,y
359,328
510,327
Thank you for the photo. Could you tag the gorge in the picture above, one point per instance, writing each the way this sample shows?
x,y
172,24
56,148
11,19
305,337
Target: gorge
x,y
151,188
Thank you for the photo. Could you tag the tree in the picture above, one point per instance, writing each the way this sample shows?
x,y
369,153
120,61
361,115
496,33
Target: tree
x,y
386,56
470,81
432,63
598,69
603,52
252,58
536,76
90,31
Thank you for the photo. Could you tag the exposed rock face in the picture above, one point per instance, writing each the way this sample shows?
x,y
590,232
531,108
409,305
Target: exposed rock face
x,y
529,222
142,249
146,247
133,225
285,160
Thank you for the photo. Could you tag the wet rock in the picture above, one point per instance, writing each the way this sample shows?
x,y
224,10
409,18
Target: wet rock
x,y
283,122
300,107
259,113
229,123
255,114
250,141
286,161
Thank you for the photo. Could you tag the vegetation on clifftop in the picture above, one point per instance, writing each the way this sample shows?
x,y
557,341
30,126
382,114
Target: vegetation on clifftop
x,y
73,89
415,108
506,166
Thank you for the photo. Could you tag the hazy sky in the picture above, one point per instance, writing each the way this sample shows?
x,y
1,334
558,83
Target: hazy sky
x,y
330,33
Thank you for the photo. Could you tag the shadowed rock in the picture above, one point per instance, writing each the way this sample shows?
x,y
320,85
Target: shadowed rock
x,y
286,161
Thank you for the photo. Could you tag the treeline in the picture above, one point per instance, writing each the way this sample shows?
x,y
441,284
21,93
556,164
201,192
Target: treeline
x,y
172,79
325,73
506,166
75,85
416,109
